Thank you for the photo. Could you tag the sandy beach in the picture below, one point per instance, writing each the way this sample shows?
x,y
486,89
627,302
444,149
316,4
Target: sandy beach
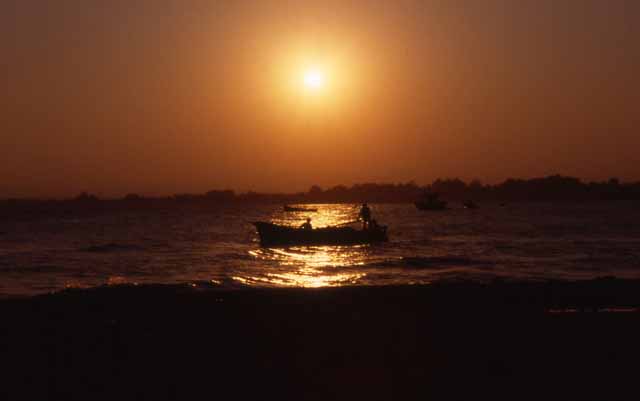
x,y
574,341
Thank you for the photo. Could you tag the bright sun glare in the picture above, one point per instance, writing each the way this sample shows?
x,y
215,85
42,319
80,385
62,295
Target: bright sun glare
x,y
313,79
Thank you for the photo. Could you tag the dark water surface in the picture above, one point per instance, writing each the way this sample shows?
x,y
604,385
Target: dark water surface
x,y
520,242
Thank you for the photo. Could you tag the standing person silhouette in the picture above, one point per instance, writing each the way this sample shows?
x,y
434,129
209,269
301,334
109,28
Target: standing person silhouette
x,y
365,215
307,225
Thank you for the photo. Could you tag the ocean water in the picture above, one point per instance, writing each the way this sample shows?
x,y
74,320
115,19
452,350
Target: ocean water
x,y
515,242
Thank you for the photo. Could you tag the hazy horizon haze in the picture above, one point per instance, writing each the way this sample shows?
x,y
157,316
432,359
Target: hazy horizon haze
x,y
168,96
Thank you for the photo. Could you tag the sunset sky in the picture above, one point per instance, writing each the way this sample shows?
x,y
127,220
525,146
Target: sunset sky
x,y
166,96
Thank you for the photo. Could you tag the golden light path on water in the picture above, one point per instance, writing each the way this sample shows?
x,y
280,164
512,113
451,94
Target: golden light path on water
x,y
311,266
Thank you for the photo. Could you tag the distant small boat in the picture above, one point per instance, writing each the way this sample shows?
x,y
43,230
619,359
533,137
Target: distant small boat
x,y
288,208
431,201
470,204
278,235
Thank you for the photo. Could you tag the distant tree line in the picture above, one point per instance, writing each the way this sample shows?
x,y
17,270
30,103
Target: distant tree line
x,y
551,188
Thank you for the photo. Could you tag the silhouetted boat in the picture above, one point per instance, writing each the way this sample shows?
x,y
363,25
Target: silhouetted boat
x,y
288,208
431,201
470,204
277,235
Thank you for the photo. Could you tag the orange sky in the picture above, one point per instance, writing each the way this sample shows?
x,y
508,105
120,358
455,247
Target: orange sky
x,y
166,96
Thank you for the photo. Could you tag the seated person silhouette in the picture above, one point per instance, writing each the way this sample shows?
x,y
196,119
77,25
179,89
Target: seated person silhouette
x,y
307,225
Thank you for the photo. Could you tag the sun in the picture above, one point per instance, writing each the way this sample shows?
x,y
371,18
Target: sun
x,y
313,79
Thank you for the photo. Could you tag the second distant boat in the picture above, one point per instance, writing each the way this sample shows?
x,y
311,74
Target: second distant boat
x,y
470,204
431,201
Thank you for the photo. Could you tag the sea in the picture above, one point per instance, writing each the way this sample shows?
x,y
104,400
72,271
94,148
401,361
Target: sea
x,y
219,247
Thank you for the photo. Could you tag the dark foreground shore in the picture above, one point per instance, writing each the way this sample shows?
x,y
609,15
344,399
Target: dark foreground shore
x,y
560,341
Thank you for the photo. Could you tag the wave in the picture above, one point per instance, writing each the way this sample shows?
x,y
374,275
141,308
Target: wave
x,y
15,268
233,256
111,247
608,282
433,262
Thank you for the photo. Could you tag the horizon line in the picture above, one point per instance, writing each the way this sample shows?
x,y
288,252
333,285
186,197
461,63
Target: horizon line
x,y
98,195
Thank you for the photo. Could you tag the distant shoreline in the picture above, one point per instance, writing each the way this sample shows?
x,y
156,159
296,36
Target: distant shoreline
x,y
550,188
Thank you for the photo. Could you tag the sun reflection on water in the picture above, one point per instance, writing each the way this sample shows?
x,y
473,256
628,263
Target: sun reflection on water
x,y
326,215
313,256
311,266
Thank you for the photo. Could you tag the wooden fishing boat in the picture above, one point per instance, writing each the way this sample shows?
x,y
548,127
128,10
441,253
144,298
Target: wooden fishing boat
x,y
278,235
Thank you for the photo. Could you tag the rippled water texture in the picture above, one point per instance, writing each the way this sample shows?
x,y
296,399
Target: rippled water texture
x,y
513,242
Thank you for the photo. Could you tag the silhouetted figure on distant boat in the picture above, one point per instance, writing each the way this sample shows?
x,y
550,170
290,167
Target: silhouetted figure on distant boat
x,y
307,225
470,204
365,215
431,201
374,225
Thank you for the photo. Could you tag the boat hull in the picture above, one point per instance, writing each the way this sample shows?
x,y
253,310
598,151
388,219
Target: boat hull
x,y
277,235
